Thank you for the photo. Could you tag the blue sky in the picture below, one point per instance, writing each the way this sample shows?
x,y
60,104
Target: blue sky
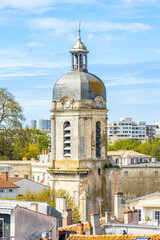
x,y
123,37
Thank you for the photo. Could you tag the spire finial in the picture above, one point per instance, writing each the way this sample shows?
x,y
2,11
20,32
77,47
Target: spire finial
x,y
79,37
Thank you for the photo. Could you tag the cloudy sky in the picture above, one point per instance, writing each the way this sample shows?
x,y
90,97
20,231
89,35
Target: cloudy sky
x,y
123,37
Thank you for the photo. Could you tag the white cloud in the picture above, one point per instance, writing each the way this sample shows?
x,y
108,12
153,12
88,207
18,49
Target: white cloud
x,y
139,1
63,26
34,44
38,4
127,79
108,38
110,26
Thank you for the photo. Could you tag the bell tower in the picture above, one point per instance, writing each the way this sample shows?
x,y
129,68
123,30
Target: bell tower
x,y
78,126
79,56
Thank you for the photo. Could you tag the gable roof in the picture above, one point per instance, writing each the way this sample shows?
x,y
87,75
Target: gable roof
x,y
145,196
7,184
126,153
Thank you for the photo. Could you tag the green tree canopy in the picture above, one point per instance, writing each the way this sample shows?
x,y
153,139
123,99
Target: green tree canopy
x,y
127,144
11,115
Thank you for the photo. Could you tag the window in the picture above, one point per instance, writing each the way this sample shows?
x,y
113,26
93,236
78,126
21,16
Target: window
x,y
139,215
38,178
98,139
15,175
26,176
157,215
99,171
10,190
1,190
66,139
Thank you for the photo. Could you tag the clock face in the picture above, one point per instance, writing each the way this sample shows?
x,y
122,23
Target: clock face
x,y
98,104
67,103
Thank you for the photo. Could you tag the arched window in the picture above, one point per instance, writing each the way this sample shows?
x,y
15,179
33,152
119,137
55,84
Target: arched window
x,y
98,139
66,139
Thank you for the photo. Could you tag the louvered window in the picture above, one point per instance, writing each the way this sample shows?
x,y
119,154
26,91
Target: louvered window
x,y
98,139
67,139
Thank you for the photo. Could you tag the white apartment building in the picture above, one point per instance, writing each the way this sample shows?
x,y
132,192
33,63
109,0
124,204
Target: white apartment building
x,y
125,128
41,124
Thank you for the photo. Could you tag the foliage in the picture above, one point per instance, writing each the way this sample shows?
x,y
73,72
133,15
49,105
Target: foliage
x,y
11,115
150,147
48,195
43,142
17,143
31,151
127,144
109,165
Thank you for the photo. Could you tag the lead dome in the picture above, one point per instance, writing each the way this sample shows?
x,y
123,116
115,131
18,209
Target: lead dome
x,y
79,84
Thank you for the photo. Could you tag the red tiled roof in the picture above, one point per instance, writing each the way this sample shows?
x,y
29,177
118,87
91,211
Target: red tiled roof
x,y
7,184
14,179
111,237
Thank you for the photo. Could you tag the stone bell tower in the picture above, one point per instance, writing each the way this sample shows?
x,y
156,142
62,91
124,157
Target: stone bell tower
x,y
79,126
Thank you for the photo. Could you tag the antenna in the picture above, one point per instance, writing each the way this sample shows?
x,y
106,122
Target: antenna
x,y
79,38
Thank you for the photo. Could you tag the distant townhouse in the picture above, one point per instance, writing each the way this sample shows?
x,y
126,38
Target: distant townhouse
x,y
125,128
123,157
7,188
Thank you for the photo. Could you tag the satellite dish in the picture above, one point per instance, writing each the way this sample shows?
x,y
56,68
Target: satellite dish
x,y
64,213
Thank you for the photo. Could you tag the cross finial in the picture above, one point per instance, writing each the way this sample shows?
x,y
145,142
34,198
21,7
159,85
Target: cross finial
x,y
79,38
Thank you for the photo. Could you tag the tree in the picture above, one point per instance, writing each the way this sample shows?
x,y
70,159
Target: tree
x,y
42,142
31,151
145,148
11,115
49,196
127,144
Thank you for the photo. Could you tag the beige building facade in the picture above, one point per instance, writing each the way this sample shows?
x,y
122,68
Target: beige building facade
x,y
78,125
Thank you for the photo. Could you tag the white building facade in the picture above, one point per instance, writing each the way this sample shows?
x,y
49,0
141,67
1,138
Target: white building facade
x,y
125,128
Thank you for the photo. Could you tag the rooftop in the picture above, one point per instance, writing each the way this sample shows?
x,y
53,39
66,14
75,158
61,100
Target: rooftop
x,y
7,184
112,237
126,153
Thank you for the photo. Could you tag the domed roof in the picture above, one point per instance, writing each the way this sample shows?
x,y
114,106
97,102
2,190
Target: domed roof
x,y
79,86
79,46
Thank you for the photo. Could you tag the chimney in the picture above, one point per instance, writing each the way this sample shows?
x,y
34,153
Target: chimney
x,y
88,229
128,216
80,228
107,216
60,204
67,217
4,175
34,207
118,208
131,216
96,224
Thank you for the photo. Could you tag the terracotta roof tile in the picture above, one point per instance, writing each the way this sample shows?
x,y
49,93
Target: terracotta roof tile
x,y
7,184
14,179
111,237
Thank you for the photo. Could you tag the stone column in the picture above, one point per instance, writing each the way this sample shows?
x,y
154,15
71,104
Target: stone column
x,y
53,141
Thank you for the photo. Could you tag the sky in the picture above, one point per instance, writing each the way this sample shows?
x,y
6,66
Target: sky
x,y
123,39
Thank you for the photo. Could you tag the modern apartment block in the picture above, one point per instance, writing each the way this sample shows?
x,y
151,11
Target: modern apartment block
x,y
153,131
41,124
125,128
